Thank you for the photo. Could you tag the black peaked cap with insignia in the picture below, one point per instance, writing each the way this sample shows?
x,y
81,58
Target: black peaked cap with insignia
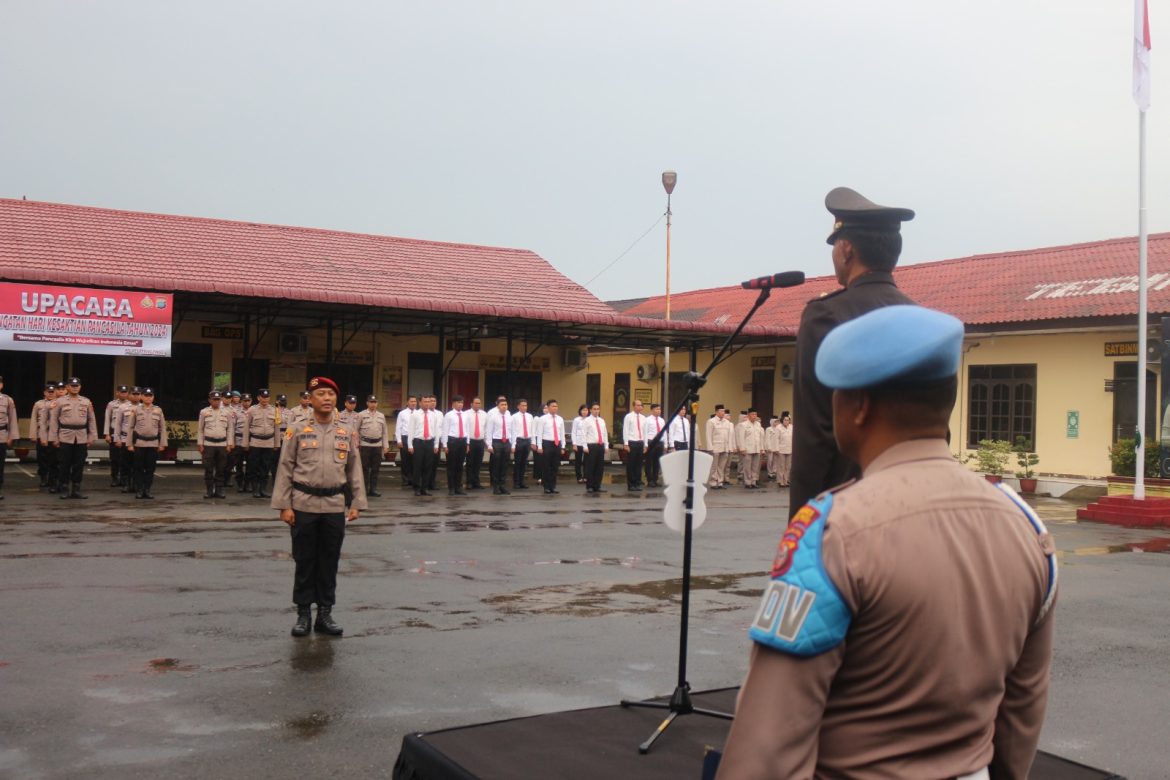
x,y
852,211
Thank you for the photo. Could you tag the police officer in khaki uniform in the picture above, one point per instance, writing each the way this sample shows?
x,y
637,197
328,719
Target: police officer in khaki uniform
x,y
39,433
867,242
120,439
749,440
213,436
121,396
9,429
374,441
148,437
304,410
907,627
721,441
317,465
72,428
261,443
348,416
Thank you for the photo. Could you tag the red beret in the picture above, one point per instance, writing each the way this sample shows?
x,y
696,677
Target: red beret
x,y
321,381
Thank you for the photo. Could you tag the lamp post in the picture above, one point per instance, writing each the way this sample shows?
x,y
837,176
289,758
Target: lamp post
x,y
669,179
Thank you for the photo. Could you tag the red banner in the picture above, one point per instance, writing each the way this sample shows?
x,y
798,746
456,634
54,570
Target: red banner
x,y
44,318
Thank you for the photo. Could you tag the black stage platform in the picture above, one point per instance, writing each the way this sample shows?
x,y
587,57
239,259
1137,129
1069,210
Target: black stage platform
x,y
603,743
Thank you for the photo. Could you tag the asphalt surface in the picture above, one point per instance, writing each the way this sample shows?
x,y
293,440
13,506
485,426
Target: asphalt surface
x,y
150,639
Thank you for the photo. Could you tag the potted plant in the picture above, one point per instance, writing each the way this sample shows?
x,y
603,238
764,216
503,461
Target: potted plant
x,y
178,437
992,458
1026,459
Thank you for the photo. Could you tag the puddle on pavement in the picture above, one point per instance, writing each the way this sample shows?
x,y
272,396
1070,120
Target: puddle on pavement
x,y
309,726
311,654
163,665
1159,545
593,599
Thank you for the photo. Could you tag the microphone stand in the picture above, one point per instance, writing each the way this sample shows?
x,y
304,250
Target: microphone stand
x,y
680,701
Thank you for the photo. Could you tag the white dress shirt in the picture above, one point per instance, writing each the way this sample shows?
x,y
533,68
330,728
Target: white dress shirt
x,y
579,431
679,432
595,428
402,424
651,425
434,426
451,426
546,425
469,417
632,428
497,426
521,422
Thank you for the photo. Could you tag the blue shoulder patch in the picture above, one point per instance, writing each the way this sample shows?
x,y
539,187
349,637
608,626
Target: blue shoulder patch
x,y
802,612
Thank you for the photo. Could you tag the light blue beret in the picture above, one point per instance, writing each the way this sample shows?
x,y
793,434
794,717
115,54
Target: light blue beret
x,y
905,344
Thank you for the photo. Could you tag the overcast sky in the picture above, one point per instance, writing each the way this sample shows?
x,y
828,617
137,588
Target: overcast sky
x,y
546,124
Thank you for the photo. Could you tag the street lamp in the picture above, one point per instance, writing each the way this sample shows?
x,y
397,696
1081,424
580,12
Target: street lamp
x,y
669,179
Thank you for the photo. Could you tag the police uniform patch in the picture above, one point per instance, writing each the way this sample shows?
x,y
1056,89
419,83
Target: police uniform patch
x,y
802,612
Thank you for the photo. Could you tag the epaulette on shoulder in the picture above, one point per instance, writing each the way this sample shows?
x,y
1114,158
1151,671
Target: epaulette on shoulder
x,y
827,295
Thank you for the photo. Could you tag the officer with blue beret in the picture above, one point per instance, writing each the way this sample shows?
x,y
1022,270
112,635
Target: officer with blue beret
x,y
906,629
867,241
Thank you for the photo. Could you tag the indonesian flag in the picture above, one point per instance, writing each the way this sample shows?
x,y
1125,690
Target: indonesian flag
x,y
1141,54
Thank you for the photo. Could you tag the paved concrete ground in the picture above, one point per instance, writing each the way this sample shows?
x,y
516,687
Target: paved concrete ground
x,y
150,639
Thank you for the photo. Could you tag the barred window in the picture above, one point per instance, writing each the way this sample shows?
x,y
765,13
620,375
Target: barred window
x,y
1001,403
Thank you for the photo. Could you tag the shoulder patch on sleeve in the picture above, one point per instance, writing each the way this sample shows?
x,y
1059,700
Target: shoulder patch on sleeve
x,y
1046,545
802,612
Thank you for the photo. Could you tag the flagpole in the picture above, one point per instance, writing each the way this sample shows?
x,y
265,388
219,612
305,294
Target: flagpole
x,y
1139,483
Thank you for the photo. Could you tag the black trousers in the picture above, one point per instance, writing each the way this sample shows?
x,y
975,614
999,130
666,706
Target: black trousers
x,y
475,450
634,463
551,461
579,463
653,467
215,459
238,462
71,463
538,464
316,547
145,460
47,462
424,463
498,465
115,465
261,463
521,467
405,461
594,466
456,457
371,465
3,455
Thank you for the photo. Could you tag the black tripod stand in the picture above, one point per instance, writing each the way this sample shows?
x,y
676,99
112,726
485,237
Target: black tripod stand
x,y
680,701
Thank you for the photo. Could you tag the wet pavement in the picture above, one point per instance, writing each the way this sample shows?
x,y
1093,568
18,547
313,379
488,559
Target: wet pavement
x,y
150,639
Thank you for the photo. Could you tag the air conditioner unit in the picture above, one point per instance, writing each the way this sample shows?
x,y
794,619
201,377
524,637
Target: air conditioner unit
x,y
576,358
647,372
786,372
294,343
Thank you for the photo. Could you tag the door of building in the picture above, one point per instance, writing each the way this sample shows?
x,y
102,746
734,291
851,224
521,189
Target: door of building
x,y
422,372
1125,402
464,383
763,393
621,403
525,384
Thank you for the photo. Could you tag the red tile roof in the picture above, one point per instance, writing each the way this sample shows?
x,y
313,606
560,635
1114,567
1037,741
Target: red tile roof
x,y
80,245
1049,285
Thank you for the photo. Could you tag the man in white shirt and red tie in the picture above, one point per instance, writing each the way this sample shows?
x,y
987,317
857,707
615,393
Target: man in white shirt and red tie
x,y
578,439
679,433
475,421
634,443
522,428
499,445
455,445
402,433
651,426
550,440
596,444
426,428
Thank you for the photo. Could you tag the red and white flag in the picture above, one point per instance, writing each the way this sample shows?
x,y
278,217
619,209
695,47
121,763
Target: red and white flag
x,y
1141,54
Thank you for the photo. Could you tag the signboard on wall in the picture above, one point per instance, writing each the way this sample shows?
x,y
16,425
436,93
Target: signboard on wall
x,y
1121,348
1072,428
499,362
47,318
392,387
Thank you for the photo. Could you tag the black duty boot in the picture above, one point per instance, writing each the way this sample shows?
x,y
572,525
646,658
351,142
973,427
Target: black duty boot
x,y
210,492
64,491
325,624
219,492
241,487
257,492
76,492
304,619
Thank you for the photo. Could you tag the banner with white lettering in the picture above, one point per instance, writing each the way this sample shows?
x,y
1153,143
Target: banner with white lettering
x,y
44,318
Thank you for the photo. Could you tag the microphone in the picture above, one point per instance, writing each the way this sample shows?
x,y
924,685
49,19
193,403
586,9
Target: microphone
x,y
782,279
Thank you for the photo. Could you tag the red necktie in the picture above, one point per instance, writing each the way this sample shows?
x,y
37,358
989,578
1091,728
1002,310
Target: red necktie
x,y
524,419
597,422
556,435
461,425
476,424
426,425
504,427
658,425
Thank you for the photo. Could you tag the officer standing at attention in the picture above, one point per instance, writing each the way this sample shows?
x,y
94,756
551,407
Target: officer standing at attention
x,y
283,416
316,469
213,437
426,426
749,440
121,439
577,436
597,443
651,425
117,402
866,241
9,429
148,437
907,627
550,442
347,417
373,442
38,432
261,443
522,426
454,444
721,441
475,420
499,444
402,433
679,433
72,428
243,467
634,443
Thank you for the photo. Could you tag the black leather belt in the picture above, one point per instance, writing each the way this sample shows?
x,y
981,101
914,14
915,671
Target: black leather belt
x,y
81,427
214,440
145,438
261,436
319,492
372,441
456,438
